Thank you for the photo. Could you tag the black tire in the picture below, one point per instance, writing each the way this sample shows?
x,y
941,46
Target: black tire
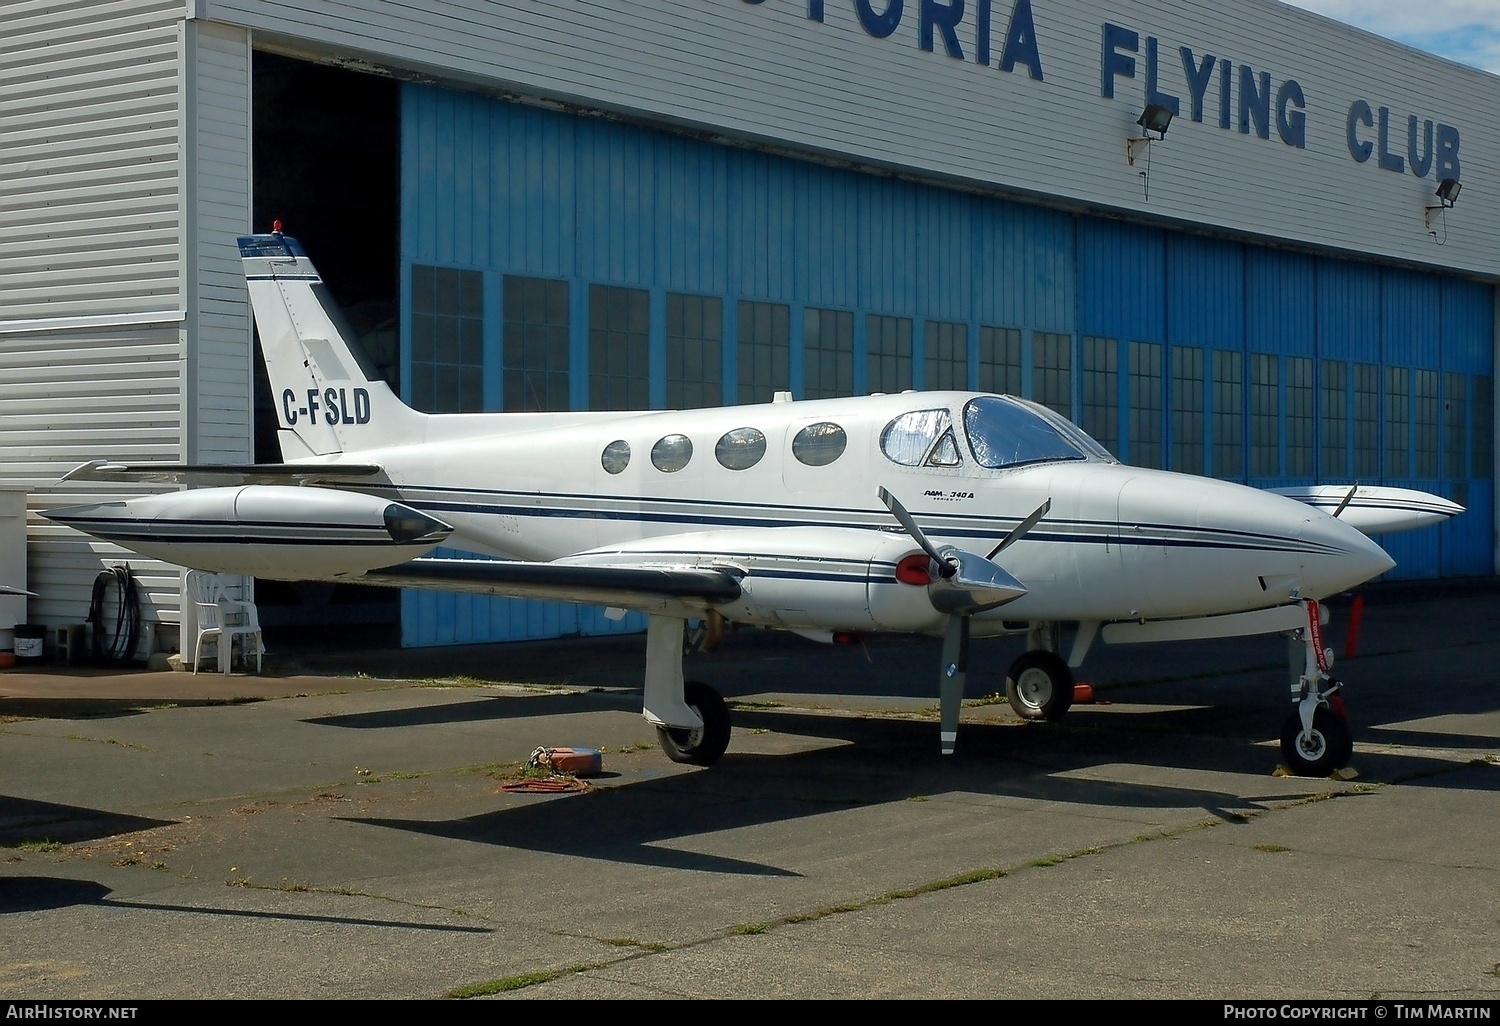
x,y
1329,747
698,747
1039,686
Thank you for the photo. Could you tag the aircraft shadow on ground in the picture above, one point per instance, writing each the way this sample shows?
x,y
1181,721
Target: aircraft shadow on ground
x,y
46,893
80,708
882,761
25,821
489,707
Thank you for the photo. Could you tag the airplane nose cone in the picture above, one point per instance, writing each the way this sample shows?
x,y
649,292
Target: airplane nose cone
x,y
1341,557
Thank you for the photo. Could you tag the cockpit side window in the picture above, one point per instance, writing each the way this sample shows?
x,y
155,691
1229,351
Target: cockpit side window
x,y
921,438
1007,432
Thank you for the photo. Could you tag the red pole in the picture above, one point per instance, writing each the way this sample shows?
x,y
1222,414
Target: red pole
x,y
1356,612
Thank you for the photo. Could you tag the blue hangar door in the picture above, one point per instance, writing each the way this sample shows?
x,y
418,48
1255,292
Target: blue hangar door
x,y
551,262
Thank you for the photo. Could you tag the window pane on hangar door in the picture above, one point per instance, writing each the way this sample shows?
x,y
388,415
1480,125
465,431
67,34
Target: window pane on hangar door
x,y
695,344
447,340
1265,415
828,353
1052,371
1427,423
1335,421
619,348
764,342
1000,360
1299,416
1367,421
1229,415
1455,424
947,362
1101,391
888,342
1187,410
1145,404
534,347
1397,422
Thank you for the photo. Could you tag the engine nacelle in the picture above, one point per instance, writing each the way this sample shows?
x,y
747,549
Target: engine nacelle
x,y
272,531
800,578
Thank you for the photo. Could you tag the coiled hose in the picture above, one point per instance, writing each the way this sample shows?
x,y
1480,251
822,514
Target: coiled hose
x,y
118,648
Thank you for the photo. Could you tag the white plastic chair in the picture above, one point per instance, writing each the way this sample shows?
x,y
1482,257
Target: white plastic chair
x,y
221,619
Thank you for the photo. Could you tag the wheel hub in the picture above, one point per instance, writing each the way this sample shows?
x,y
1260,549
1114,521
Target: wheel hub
x,y
1312,744
1035,687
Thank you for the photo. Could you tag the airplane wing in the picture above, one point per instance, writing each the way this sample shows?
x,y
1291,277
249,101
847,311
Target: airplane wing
x,y
1373,509
221,473
627,587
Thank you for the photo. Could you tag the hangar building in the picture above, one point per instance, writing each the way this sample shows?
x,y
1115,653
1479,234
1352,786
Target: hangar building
x,y
607,204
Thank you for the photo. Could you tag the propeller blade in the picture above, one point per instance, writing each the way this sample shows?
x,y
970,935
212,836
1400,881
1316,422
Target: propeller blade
x,y
945,566
954,672
1023,527
1347,499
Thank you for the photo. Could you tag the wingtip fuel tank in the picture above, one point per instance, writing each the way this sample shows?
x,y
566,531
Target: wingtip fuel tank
x,y
272,531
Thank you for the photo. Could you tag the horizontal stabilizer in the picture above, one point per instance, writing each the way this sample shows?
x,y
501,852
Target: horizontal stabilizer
x,y
627,587
222,473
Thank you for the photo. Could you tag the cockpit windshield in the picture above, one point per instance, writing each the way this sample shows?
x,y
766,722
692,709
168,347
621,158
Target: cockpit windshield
x,y
1007,432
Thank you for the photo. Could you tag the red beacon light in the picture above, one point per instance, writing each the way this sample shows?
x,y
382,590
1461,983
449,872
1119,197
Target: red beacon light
x,y
276,226
915,569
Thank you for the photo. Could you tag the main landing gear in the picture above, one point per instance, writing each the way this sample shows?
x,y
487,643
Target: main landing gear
x,y
1039,684
691,719
1316,740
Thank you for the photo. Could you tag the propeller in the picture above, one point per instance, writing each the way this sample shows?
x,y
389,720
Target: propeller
x,y
1021,529
1347,499
945,568
963,583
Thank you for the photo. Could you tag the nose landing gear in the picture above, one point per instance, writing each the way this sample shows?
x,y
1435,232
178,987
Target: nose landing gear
x,y
1316,740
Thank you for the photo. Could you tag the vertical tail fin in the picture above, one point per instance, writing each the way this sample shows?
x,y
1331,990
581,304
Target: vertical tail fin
x,y
328,397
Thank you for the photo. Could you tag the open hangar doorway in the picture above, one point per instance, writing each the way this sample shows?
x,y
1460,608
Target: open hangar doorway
x,y
326,164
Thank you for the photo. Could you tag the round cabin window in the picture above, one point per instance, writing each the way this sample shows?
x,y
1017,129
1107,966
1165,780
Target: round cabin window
x,y
616,456
741,448
672,453
818,445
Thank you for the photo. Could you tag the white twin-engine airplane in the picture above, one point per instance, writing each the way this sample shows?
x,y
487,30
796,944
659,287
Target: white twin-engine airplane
x,y
955,514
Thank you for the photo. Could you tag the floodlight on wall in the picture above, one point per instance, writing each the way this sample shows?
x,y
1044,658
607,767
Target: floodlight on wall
x,y
1447,194
1154,121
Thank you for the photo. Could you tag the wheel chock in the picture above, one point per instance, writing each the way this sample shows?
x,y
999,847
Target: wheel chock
x,y
1083,693
1347,773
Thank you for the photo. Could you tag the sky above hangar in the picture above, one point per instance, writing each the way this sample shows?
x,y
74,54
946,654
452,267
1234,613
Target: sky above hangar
x,y
1467,31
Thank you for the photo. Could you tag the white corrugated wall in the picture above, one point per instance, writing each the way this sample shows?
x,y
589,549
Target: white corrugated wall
x,y
217,61
218,345
90,209
124,330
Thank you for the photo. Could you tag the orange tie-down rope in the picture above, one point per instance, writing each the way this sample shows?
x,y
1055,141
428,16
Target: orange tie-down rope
x,y
545,785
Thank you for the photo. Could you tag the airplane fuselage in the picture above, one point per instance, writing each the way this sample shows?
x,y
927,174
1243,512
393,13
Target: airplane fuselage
x,y
1118,542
